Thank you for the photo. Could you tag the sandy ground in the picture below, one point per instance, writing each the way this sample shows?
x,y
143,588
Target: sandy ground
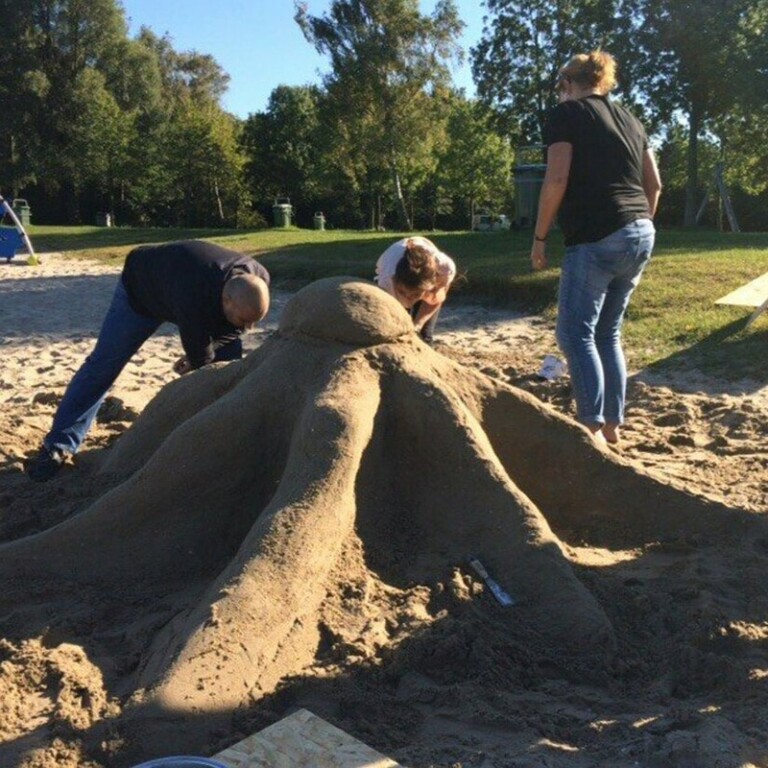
x,y
706,709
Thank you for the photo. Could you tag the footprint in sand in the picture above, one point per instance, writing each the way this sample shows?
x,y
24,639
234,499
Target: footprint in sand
x,y
654,447
673,419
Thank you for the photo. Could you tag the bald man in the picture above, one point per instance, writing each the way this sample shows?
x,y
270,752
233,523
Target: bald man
x,y
211,293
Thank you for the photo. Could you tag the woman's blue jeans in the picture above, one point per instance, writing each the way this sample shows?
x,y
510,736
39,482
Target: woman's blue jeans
x,y
122,334
596,283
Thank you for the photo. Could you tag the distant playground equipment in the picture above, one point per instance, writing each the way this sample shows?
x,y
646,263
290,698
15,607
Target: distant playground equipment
x,y
13,238
718,182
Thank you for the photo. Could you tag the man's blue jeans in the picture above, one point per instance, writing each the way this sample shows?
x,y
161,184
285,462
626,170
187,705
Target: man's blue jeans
x,y
596,283
122,334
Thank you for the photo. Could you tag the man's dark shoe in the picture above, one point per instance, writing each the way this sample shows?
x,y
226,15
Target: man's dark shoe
x,y
45,465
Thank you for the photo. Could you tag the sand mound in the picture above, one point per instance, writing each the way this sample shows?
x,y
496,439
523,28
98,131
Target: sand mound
x,y
307,514
346,310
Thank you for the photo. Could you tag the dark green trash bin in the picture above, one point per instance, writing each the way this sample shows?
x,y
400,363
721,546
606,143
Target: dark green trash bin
x,y
529,177
23,211
282,210
319,220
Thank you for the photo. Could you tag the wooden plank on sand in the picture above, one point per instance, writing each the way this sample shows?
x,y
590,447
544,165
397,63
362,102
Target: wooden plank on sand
x,y
302,740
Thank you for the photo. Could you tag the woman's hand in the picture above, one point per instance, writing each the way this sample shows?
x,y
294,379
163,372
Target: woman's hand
x,y
538,255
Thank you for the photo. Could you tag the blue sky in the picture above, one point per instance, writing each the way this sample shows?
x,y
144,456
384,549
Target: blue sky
x,y
259,44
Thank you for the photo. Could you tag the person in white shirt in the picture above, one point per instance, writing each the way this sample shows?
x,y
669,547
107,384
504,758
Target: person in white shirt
x,y
418,274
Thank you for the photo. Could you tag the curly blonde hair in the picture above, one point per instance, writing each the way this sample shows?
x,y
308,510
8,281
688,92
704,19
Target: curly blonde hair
x,y
596,69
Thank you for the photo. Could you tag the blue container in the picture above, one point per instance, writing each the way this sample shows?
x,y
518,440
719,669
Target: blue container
x,y
182,761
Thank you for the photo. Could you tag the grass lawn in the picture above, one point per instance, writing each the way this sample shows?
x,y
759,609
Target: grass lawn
x,y
672,320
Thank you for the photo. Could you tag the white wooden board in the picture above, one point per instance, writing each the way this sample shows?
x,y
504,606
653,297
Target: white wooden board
x,y
302,740
753,294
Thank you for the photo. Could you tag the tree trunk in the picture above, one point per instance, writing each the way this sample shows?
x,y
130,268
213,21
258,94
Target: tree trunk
x,y
402,209
692,183
219,204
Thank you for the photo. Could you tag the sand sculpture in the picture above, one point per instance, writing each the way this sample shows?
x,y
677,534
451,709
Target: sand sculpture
x,y
246,494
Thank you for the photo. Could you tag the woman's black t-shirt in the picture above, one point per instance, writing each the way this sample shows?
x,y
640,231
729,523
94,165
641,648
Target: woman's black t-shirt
x,y
605,183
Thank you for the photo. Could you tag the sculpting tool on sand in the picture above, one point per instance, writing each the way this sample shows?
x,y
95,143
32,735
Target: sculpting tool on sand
x,y
502,597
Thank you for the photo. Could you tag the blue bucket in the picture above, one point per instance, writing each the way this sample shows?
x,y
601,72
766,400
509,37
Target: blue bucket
x,y
181,762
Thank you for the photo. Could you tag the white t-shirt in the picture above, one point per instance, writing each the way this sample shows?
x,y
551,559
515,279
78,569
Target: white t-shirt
x,y
387,263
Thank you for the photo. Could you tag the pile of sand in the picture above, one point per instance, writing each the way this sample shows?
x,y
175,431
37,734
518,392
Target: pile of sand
x,y
293,530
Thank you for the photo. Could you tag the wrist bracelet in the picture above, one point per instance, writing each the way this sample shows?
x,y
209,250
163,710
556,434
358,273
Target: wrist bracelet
x,y
539,239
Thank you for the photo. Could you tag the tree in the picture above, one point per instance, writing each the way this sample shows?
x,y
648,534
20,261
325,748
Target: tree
x,y
705,59
102,133
476,164
524,44
204,163
186,74
284,147
48,51
21,86
90,116
386,57
136,82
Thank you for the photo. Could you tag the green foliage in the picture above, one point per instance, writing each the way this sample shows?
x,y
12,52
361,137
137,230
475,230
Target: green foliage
x,y
743,134
284,146
50,55
95,115
95,121
524,44
386,58
704,61
205,165
475,165
696,56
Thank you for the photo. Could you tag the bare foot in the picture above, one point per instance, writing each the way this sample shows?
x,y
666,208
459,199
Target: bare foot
x,y
597,433
611,433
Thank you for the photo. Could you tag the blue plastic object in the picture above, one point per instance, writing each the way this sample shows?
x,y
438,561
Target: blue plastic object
x,y
182,761
10,242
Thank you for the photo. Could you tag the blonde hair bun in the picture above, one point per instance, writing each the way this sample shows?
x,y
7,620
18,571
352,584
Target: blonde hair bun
x,y
596,69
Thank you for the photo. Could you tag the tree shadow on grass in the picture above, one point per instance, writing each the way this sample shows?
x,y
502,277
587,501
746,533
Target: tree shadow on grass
x,y
727,361
483,276
105,237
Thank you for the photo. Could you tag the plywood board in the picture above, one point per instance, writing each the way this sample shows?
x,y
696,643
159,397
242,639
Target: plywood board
x,y
753,294
302,740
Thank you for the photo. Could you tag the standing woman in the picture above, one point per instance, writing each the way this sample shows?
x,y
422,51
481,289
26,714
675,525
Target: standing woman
x,y
602,179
